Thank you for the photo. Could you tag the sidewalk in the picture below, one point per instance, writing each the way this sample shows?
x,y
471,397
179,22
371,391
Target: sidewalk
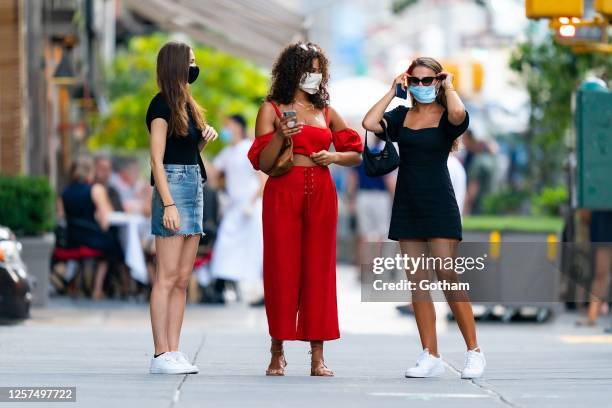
x,y
104,348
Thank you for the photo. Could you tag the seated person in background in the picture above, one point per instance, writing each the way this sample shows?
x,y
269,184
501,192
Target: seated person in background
x,y
86,206
103,172
134,193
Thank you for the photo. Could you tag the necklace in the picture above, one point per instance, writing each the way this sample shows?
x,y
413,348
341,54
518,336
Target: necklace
x,y
304,106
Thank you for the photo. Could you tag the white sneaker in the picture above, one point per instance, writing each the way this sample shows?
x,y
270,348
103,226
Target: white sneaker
x,y
181,358
426,366
168,364
475,364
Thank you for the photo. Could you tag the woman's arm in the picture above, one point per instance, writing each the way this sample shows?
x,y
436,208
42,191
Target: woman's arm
x,y
454,105
268,122
372,119
159,129
336,124
99,196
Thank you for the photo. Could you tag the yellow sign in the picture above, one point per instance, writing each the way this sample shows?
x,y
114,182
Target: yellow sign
x,y
554,8
604,7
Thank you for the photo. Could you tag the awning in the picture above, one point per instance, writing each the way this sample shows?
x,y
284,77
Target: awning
x,y
253,29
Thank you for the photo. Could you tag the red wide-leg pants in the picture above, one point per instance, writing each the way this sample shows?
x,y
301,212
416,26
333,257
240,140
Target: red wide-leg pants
x,y
300,212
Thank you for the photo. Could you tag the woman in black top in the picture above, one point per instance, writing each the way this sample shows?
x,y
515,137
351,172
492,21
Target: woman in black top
x,y
85,205
425,214
178,134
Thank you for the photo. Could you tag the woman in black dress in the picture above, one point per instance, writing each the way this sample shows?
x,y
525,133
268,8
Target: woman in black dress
x,y
425,216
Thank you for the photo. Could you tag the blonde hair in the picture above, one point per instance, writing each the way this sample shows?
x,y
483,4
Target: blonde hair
x,y
81,168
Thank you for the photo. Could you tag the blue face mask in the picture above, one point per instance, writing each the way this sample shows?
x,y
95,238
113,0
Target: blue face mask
x,y
423,94
225,135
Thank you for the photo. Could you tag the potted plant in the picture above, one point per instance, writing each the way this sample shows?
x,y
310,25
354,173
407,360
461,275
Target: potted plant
x,y
28,209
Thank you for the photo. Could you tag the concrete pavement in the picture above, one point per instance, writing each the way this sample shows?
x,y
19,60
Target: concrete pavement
x,y
104,349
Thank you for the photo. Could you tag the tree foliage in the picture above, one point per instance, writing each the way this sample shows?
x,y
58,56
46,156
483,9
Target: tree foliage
x,y
226,85
551,73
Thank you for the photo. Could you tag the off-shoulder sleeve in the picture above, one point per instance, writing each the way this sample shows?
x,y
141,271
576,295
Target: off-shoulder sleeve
x,y
347,140
454,131
395,121
258,145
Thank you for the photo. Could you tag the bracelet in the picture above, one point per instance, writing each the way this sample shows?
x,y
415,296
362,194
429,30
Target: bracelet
x,y
169,205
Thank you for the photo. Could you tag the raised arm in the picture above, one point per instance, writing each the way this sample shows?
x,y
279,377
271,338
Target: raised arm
x,y
372,119
454,105
268,123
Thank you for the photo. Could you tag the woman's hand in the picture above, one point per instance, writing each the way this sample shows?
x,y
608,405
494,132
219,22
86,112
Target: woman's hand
x,y
171,219
323,158
208,134
401,79
286,131
447,83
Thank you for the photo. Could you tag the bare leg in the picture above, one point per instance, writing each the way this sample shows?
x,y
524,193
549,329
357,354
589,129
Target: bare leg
x,y
317,362
98,291
178,294
458,301
424,311
601,281
166,276
277,360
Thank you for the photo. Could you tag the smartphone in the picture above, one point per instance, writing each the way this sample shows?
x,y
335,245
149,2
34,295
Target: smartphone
x,y
292,115
401,92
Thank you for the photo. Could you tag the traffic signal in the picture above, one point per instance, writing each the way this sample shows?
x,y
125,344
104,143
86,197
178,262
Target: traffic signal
x,y
554,8
572,31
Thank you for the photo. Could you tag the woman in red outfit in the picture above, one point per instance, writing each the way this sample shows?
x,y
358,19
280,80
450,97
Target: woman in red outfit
x,y
300,207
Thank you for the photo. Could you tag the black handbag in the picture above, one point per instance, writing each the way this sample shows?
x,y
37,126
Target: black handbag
x,y
383,162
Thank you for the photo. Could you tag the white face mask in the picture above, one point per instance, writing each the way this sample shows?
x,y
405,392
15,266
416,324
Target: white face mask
x,y
310,82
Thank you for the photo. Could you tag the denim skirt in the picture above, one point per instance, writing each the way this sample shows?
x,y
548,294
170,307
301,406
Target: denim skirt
x,y
185,184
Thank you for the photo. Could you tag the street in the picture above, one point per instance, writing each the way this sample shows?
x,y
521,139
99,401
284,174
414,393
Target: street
x,y
104,349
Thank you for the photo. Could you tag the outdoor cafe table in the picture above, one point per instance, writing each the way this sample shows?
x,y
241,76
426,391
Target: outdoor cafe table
x,y
131,227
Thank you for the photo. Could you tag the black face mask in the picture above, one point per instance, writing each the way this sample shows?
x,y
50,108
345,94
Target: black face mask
x,y
194,71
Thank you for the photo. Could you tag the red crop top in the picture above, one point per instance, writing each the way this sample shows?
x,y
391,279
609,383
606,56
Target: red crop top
x,y
310,140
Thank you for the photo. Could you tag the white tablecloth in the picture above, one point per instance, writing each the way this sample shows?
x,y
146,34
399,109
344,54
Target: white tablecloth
x,y
131,226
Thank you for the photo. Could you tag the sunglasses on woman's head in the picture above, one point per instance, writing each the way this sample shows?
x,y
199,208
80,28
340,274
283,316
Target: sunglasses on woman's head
x,y
426,81
308,47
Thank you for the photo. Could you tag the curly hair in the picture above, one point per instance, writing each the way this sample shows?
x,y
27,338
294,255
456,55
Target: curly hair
x,y
290,67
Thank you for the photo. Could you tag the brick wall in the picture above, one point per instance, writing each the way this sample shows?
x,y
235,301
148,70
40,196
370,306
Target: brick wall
x,y
11,107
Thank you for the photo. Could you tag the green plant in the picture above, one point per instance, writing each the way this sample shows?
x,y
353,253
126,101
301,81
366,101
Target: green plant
x,y
27,204
506,201
550,73
226,85
549,201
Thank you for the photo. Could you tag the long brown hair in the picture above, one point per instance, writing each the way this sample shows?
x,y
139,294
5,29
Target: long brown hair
x,y
172,76
290,66
436,67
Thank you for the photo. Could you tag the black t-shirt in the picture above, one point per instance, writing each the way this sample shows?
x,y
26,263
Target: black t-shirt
x,y
179,149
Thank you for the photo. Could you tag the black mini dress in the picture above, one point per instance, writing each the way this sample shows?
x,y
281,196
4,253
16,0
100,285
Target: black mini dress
x,y
424,205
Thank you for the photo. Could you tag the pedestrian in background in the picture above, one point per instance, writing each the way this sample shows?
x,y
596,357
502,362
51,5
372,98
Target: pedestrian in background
x,y
601,242
371,198
178,134
300,206
425,214
240,227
